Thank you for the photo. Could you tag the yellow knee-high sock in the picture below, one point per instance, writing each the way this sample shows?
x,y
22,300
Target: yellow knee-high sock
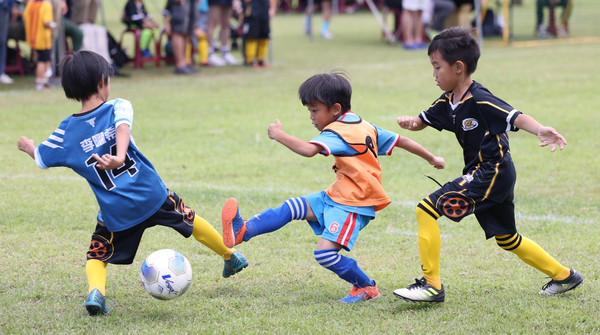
x,y
203,49
429,243
250,50
532,254
263,47
205,233
189,52
96,275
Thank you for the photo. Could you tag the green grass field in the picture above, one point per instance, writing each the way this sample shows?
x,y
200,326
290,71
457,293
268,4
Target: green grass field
x,y
206,135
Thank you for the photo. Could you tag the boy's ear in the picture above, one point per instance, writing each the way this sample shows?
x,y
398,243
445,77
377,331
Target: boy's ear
x,y
460,66
101,83
337,109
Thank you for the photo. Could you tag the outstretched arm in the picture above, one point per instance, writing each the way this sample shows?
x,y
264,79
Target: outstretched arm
x,y
411,122
417,149
27,146
108,161
547,135
299,146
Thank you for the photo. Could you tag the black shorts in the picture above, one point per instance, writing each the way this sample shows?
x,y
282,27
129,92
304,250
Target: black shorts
x,y
224,3
44,55
183,18
460,198
120,247
304,3
256,29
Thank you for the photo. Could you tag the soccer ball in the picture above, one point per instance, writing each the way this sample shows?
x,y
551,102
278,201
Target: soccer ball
x,y
166,274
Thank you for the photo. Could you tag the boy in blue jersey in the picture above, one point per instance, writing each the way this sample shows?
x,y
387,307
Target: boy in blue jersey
x,y
350,203
96,143
480,122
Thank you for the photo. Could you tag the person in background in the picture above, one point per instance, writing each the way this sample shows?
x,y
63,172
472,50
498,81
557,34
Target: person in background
x,y
135,16
39,22
179,22
5,14
219,14
412,24
257,30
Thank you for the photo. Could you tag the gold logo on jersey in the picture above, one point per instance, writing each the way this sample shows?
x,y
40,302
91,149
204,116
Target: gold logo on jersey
x,y
469,124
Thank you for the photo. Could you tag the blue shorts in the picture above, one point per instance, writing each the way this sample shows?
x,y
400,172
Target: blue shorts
x,y
120,247
337,223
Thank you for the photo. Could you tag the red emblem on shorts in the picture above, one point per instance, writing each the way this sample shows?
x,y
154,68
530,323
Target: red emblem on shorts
x,y
455,205
334,227
100,248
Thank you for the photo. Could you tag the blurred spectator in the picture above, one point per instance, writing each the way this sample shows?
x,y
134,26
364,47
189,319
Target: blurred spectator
x,y
440,11
325,7
135,16
72,31
412,23
179,20
5,13
39,22
257,30
85,11
199,39
219,14
563,28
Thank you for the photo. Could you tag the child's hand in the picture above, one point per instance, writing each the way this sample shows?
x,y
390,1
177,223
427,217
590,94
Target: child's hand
x,y
549,136
407,122
274,130
108,162
26,145
438,162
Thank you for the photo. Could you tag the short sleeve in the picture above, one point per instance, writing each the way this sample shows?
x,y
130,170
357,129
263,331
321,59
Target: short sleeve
x,y
386,141
499,115
123,112
330,142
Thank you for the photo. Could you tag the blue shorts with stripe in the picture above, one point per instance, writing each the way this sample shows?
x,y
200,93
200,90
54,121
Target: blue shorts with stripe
x,y
338,223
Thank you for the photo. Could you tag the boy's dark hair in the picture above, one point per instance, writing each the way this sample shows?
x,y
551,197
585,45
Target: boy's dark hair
x,y
456,44
328,89
81,72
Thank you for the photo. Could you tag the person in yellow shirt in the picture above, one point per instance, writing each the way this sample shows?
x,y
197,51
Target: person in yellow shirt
x,y
39,22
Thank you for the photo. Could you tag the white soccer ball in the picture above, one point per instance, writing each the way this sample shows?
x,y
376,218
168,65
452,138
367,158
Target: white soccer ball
x,y
166,274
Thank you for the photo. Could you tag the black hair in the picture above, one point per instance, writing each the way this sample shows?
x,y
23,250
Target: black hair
x,y
456,44
328,89
81,72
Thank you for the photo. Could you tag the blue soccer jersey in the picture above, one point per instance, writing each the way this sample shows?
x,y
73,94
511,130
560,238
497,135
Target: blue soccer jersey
x,y
127,195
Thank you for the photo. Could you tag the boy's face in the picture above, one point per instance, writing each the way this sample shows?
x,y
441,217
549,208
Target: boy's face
x,y
445,74
321,115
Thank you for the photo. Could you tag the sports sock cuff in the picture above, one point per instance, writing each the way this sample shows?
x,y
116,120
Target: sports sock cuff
x,y
327,257
297,207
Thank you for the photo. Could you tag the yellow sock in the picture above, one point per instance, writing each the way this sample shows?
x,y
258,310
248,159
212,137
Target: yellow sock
x,y
263,47
189,50
532,254
203,49
251,47
96,275
205,233
429,243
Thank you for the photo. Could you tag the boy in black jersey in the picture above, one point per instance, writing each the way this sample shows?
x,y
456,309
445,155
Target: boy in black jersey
x,y
480,122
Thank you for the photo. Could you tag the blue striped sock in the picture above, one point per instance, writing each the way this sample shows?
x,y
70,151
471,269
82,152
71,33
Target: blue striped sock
x,y
345,267
275,218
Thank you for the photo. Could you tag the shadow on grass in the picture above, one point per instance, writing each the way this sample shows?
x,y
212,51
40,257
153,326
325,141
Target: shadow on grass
x,y
405,306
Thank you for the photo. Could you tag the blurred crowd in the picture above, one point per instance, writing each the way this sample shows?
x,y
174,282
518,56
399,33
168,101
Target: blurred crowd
x,y
195,33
